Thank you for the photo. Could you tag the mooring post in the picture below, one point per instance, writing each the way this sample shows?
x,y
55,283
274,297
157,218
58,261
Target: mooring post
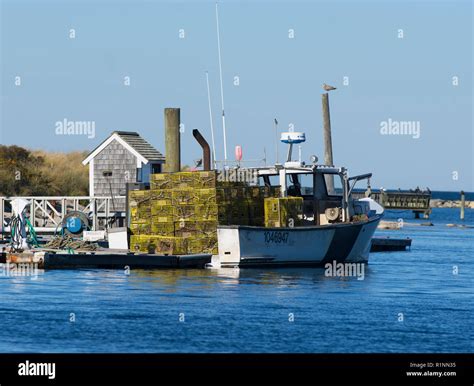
x,y
172,140
463,204
327,140
383,197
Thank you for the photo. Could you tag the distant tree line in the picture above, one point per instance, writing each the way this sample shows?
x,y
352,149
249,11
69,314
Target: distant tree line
x,y
25,172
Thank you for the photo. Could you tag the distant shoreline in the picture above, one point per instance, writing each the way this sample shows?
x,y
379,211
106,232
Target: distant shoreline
x,y
437,203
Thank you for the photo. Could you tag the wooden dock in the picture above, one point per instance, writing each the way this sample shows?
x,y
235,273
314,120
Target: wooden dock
x,y
416,201
107,260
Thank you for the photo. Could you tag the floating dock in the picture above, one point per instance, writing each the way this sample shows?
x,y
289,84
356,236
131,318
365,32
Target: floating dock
x,y
387,244
107,260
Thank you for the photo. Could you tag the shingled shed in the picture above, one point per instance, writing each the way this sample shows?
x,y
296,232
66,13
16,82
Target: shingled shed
x,y
123,157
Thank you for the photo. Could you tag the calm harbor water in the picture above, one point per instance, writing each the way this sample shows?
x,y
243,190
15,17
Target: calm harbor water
x,y
254,310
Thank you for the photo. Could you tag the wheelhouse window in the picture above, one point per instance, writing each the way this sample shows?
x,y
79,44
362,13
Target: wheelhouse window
x,y
333,183
307,184
300,184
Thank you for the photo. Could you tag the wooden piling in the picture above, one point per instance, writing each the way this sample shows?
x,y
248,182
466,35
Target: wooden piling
x,y
172,140
328,160
463,204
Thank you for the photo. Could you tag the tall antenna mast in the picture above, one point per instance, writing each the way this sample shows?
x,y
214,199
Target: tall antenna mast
x,y
276,140
212,123
222,88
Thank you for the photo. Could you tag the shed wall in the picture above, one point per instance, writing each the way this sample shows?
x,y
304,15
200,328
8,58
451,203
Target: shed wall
x,y
123,165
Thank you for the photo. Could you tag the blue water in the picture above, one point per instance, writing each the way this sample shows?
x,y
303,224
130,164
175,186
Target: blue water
x,y
248,310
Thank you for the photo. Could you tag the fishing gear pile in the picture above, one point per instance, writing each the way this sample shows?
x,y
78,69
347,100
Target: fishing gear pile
x,y
67,242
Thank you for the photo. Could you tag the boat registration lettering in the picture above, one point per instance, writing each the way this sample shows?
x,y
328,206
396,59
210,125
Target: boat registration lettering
x,y
276,237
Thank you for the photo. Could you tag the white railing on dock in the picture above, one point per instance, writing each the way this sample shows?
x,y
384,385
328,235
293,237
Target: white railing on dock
x,y
47,212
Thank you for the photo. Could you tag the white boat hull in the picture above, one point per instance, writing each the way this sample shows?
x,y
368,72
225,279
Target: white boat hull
x,y
247,246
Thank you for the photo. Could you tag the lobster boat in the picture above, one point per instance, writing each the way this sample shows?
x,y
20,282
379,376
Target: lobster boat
x,y
333,226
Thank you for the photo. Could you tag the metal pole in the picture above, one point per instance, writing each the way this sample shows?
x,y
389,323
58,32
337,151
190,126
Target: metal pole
x,y
327,140
276,141
63,208
94,214
290,149
345,207
222,87
463,204
211,121
33,212
107,203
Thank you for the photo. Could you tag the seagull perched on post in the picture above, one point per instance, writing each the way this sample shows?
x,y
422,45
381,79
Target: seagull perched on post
x,y
327,87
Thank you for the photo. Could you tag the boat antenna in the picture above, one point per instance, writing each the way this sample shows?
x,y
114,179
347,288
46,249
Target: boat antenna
x,y
222,88
276,140
212,121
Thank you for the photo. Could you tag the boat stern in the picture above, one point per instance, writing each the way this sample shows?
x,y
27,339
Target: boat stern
x,y
229,246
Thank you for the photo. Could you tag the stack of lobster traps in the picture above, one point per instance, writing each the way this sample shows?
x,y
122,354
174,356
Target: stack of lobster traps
x,y
283,212
181,211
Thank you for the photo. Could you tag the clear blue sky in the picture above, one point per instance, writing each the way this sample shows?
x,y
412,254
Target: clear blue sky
x,y
407,79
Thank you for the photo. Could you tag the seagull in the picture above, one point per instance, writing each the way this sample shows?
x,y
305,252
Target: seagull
x,y
327,87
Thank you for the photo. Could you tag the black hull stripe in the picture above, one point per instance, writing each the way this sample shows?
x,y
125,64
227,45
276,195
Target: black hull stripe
x,y
342,243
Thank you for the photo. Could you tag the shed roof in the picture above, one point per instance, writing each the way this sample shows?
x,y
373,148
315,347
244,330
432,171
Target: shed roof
x,y
134,143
